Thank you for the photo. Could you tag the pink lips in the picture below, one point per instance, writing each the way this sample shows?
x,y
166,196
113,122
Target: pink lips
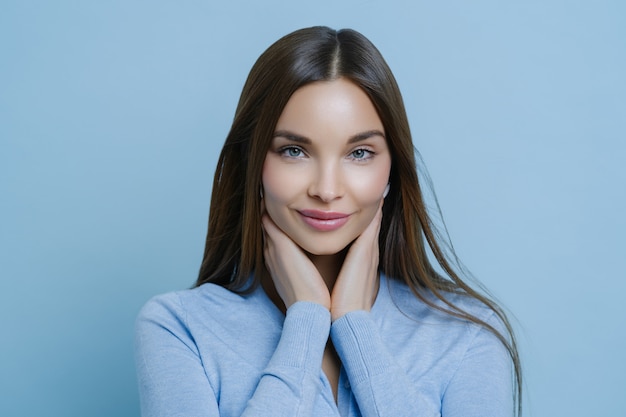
x,y
324,221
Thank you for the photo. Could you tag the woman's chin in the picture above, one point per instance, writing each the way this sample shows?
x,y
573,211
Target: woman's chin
x,y
325,250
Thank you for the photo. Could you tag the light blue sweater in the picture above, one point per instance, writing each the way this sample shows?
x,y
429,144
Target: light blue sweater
x,y
211,352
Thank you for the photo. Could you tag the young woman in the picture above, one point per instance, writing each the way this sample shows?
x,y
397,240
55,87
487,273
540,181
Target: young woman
x,y
316,296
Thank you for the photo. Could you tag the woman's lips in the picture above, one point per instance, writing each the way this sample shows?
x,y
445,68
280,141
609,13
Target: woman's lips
x,y
324,221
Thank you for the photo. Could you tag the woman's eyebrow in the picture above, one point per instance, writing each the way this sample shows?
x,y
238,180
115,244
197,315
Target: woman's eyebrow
x,y
365,135
306,141
292,137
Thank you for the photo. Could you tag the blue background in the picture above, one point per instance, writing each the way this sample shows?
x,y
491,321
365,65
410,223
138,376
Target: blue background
x,y
112,115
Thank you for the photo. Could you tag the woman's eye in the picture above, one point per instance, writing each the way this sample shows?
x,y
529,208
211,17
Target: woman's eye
x,y
292,152
361,154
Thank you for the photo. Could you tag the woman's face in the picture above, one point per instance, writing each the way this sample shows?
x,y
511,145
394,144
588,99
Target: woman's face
x,y
327,167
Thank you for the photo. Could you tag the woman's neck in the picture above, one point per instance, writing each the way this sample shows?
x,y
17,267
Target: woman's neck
x,y
329,266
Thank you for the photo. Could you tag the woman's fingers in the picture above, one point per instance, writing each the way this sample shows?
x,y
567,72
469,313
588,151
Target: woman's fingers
x,y
294,275
357,284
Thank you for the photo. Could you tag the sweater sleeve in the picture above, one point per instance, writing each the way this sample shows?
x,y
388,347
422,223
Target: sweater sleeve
x,y
482,386
380,386
173,381
291,381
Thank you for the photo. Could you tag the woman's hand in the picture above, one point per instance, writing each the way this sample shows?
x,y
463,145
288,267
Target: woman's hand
x,y
294,275
357,284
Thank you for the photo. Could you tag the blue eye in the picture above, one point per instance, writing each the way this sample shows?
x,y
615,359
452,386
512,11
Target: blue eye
x,y
292,152
361,154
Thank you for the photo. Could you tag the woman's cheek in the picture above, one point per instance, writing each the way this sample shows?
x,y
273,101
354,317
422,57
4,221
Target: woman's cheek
x,y
279,189
370,191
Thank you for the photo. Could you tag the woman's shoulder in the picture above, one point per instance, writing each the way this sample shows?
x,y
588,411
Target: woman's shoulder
x,y
426,305
207,300
209,320
425,320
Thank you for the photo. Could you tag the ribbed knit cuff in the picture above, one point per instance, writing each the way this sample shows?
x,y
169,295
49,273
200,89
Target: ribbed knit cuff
x,y
304,336
357,341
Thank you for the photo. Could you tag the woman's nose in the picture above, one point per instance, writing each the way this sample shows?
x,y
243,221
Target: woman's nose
x,y
326,183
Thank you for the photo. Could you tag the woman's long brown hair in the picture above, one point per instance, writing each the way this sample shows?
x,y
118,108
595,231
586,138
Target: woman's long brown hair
x,y
233,255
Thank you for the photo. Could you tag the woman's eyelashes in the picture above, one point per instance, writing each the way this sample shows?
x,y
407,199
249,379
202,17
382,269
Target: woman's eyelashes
x,y
291,152
295,152
362,154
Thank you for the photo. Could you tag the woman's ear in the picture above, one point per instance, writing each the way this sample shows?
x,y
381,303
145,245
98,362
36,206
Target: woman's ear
x,y
386,190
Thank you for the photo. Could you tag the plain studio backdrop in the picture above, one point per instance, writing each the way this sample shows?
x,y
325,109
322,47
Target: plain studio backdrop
x,y
112,114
